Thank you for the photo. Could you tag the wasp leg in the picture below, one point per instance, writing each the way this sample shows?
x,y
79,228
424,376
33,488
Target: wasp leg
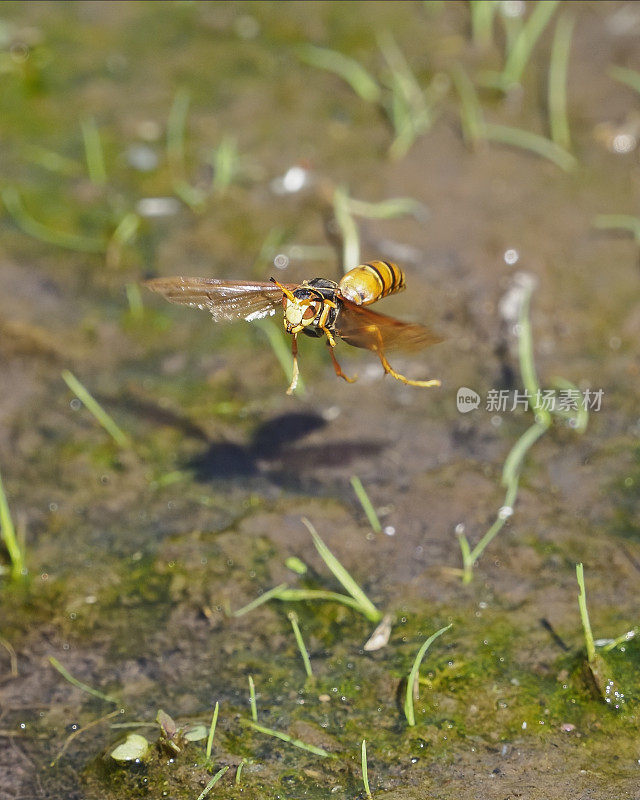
x,y
388,368
337,366
391,371
296,372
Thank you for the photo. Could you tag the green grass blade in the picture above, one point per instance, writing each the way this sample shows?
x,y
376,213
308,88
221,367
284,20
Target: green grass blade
x,y
264,598
584,615
92,405
293,618
558,69
81,244
8,532
342,575
515,137
471,117
176,126
78,684
348,229
239,771
630,77
252,699
347,68
124,233
482,17
93,152
388,209
52,161
285,737
225,164
622,222
622,639
409,711
366,503
134,300
212,730
315,595
212,783
365,770
526,40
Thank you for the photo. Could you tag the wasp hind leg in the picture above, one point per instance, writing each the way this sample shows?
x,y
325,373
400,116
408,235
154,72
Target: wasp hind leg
x,y
296,371
391,371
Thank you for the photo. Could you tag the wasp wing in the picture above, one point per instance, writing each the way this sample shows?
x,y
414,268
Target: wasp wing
x,y
360,327
225,300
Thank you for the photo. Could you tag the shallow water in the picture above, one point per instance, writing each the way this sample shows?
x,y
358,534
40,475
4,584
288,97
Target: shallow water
x,y
137,556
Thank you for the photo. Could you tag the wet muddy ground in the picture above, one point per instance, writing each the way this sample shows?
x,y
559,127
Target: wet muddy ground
x,y
138,555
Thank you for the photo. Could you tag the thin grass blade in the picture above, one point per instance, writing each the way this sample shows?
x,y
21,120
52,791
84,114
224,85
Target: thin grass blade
x,y
343,575
92,405
413,675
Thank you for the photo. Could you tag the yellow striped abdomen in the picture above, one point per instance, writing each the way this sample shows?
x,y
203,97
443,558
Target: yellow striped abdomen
x,y
369,282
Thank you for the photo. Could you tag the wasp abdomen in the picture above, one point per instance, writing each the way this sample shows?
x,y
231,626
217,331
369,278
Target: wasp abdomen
x,y
369,282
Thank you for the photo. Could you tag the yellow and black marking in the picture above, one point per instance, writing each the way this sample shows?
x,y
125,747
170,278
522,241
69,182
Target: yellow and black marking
x,y
371,281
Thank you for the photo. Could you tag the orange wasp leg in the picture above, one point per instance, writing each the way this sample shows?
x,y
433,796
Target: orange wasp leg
x,y
391,371
296,371
337,366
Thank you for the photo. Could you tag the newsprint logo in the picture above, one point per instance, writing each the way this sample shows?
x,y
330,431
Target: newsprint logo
x,y
505,400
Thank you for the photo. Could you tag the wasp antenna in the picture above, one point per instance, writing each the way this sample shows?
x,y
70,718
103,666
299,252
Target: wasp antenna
x,y
286,292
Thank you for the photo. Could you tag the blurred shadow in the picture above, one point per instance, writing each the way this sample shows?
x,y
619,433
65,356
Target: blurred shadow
x,y
274,452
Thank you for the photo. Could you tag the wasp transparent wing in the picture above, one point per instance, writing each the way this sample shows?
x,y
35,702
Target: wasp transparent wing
x,y
226,301
361,327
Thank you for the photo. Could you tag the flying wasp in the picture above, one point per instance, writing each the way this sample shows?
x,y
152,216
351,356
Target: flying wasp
x,y
317,308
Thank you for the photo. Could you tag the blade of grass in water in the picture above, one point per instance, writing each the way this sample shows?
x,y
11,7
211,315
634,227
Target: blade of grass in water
x,y
482,17
348,229
365,770
623,222
314,595
409,711
264,598
293,618
52,161
212,783
367,607
347,68
281,348
366,503
584,614
526,40
513,463
225,164
471,117
8,532
93,152
78,684
388,209
558,69
176,126
239,771
92,405
630,77
252,699
37,230
13,658
123,234
212,731
134,299
526,140
285,737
